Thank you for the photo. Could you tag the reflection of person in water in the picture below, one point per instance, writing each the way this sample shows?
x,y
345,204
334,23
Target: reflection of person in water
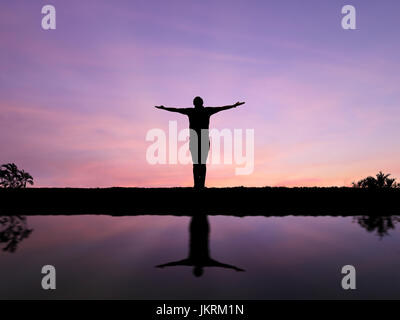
x,y
199,251
199,121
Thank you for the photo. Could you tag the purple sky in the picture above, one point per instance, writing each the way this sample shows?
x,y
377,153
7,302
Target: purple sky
x,y
76,102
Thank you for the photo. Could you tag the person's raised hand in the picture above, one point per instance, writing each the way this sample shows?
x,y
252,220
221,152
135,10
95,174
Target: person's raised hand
x,y
239,104
159,107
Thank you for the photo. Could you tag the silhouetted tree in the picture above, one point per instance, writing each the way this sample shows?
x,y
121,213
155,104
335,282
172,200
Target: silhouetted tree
x,y
13,229
379,224
381,181
12,177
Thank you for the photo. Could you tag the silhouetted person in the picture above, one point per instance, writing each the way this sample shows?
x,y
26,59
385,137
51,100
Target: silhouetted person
x,y
199,121
199,254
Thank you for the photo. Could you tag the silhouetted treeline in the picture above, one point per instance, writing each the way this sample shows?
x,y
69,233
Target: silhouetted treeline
x,y
211,201
381,181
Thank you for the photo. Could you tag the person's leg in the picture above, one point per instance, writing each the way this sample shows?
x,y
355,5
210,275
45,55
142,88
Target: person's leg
x,y
203,167
199,148
198,183
194,151
202,178
196,175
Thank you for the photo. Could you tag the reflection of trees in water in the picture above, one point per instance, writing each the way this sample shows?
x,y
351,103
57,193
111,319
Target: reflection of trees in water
x,y
379,224
13,229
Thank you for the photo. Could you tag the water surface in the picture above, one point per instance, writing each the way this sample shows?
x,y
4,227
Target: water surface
x,y
289,257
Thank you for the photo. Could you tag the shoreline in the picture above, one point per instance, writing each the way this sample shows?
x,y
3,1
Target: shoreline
x,y
237,201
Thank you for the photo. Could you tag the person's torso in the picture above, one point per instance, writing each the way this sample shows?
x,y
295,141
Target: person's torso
x,y
199,119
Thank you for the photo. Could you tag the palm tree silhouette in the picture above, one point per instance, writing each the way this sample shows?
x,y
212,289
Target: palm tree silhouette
x,y
381,181
12,177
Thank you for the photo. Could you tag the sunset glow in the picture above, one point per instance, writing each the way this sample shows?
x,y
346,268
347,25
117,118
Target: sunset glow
x,y
76,103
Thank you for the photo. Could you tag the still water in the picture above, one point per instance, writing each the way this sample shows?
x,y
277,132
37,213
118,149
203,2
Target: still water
x,y
98,257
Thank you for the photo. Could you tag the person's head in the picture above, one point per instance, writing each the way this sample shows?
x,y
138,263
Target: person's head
x,y
198,271
198,102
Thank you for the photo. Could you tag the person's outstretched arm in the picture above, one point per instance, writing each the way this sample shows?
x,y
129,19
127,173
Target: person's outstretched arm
x,y
179,110
215,263
218,109
184,262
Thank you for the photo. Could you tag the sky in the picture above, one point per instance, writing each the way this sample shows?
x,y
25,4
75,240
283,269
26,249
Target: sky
x,y
77,102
